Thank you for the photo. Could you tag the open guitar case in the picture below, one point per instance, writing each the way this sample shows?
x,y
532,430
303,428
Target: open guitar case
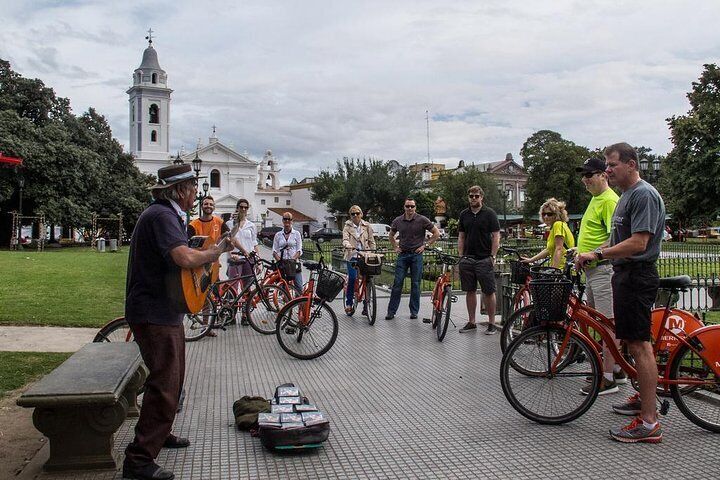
x,y
293,423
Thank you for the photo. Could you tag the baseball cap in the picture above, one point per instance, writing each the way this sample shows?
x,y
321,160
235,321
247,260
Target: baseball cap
x,y
592,164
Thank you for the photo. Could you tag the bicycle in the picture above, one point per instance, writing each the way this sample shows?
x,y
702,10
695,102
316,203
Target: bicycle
x,y
442,296
364,290
521,274
306,326
116,330
544,368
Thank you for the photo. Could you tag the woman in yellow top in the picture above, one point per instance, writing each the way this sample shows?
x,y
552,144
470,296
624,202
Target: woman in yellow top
x,y
560,238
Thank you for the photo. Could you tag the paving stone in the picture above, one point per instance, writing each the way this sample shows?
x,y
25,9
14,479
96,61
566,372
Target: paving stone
x,y
403,406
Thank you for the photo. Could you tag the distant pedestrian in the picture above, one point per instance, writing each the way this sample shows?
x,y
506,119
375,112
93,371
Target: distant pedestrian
x,y
478,243
411,227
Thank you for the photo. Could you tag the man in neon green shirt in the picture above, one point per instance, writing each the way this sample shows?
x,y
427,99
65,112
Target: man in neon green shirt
x,y
595,229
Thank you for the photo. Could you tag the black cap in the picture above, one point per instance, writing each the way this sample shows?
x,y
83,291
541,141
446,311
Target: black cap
x,y
591,165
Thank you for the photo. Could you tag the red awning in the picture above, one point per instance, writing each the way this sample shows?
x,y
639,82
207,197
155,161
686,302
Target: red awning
x,y
10,161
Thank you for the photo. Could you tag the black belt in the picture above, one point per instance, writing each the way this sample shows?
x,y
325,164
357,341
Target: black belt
x,y
409,251
477,257
633,265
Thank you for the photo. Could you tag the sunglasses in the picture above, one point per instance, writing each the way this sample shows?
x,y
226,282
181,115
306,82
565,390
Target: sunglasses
x,y
474,196
354,214
242,207
590,174
287,219
548,214
409,206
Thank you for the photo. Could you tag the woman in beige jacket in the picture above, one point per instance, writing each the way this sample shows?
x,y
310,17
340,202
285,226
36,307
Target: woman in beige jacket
x,y
357,235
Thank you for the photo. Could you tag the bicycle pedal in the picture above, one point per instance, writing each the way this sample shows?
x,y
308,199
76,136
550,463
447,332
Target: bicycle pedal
x,y
427,320
453,298
664,407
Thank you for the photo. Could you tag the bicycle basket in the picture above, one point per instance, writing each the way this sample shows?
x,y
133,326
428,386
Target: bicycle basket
x,y
549,273
329,284
370,264
518,272
288,268
550,298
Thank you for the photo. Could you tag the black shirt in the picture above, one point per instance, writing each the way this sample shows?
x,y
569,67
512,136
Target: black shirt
x,y
151,271
478,228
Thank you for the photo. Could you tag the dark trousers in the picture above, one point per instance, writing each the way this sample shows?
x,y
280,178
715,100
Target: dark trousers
x,y
405,262
163,351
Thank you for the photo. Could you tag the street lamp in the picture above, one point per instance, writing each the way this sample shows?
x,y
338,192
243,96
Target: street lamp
x,y
504,195
21,184
178,160
650,170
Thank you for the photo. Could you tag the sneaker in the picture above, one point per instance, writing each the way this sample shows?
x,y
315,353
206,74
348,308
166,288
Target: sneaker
x,y
389,317
491,329
348,311
636,432
364,312
621,377
413,316
630,407
606,386
469,327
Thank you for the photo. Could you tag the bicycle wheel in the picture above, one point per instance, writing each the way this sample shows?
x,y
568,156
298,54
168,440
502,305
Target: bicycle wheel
x,y
546,396
197,325
116,330
699,403
443,316
306,337
262,307
519,320
370,300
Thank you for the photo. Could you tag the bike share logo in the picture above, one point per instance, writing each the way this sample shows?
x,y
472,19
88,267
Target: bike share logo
x,y
676,324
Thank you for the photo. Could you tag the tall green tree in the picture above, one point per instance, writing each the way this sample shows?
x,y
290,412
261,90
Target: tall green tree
x,y
72,164
550,161
691,171
452,187
378,187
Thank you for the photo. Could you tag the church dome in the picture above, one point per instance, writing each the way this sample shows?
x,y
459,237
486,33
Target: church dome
x,y
150,59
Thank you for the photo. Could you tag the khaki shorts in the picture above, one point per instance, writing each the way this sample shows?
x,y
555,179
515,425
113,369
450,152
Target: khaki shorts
x,y
598,281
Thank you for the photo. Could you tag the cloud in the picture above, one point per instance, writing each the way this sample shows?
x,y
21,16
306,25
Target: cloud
x,y
315,81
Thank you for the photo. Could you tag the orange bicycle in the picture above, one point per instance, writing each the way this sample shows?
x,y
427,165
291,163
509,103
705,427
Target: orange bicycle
x,y
545,367
368,264
442,296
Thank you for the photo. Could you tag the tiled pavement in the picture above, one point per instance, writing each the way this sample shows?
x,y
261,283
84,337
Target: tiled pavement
x,y
404,406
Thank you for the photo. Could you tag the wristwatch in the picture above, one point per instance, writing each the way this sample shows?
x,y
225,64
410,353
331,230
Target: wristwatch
x,y
599,253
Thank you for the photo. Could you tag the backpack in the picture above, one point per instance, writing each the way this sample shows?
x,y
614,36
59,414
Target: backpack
x,y
246,411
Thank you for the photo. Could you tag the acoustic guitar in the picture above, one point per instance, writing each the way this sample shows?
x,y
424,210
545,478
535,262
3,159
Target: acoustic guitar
x,y
195,282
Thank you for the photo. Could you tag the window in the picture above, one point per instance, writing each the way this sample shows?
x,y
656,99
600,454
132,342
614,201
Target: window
x,y
153,136
287,202
522,196
139,77
154,78
154,113
277,199
262,201
215,179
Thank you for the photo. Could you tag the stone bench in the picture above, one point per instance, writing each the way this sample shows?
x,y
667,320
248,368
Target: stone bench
x,y
80,405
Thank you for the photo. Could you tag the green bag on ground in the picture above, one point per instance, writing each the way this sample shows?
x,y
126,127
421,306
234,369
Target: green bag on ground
x,y
246,411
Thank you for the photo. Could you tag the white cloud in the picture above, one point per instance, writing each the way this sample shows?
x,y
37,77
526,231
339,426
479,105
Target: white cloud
x,y
315,81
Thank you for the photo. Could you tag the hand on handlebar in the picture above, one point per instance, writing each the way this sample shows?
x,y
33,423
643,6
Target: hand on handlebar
x,y
582,260
525,259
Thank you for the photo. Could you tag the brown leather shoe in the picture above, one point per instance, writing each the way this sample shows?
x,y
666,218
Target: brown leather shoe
x,y
176,442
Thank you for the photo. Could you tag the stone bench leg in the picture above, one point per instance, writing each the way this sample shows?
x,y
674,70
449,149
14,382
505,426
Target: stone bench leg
x,y
131,390
81,437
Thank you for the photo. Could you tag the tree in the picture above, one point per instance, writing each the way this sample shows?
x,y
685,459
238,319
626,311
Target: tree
x,y
452,187
377,187
550,161
72,165
691,179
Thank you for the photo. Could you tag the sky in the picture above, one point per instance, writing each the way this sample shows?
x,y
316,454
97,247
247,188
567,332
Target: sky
x,y
315,81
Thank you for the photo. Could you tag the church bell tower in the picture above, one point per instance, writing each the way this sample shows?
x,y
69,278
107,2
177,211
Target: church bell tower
x,y
149,99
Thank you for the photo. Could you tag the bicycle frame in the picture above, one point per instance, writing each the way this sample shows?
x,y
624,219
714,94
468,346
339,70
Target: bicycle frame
x,y
444,279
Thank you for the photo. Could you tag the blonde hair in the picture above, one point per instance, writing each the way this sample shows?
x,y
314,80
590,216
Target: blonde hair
x,y
555,206
356,207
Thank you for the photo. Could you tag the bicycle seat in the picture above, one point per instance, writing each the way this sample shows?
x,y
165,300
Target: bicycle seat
x,y
311,265
681,281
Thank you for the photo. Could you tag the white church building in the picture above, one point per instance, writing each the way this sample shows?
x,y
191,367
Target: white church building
x,y
230,175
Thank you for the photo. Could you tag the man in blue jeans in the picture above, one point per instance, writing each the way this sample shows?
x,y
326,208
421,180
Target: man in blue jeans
x,y
412,227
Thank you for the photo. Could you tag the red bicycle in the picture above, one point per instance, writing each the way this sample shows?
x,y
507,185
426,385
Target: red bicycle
x,y
368,265
442,296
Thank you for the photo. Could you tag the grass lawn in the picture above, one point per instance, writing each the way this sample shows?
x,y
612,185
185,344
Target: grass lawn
x,y
19,368
69,287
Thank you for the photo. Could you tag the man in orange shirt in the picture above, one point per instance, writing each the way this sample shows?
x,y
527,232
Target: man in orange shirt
x,y
207,224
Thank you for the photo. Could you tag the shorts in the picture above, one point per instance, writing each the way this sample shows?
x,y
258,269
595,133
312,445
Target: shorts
x,y
474,271
598,281
635,286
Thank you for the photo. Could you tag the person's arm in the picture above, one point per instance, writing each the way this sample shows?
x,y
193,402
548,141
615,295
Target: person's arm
x,y
542,254
495,245
394,242
461,243
557,254
371,238
637,243
298,239
346,238
276,246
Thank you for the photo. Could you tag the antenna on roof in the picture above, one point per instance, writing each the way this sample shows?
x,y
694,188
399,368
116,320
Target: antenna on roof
x,y
427,124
